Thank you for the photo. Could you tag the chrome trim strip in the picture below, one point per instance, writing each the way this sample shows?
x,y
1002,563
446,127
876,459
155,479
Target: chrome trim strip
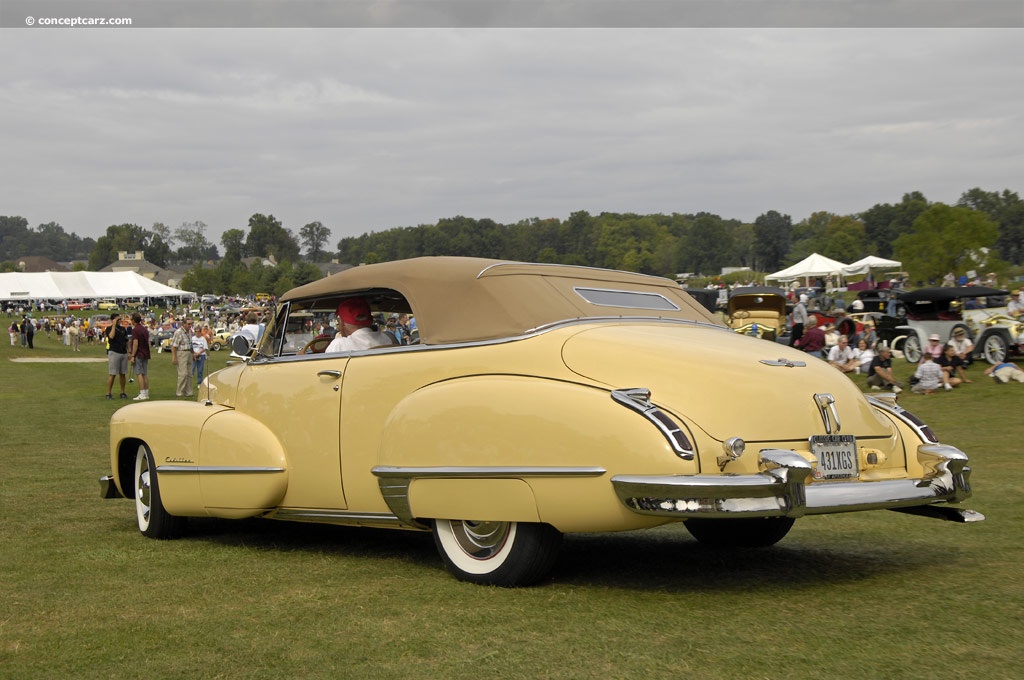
x,y
638,399
217,469
484,472
887,402
342,518
782,489
585,268
784,362
394,482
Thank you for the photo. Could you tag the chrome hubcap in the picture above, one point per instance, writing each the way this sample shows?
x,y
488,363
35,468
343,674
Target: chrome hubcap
x,y
142,490
480,540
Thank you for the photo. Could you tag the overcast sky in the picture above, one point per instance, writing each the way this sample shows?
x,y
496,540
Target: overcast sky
x,y
369,129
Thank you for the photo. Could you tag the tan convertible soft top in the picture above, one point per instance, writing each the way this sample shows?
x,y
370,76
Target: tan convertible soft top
x,y
462,299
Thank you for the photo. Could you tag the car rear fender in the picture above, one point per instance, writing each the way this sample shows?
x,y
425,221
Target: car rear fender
x,y
515,448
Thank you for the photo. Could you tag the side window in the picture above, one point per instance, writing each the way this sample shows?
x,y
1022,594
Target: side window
x,y
273,336
307,326
302,327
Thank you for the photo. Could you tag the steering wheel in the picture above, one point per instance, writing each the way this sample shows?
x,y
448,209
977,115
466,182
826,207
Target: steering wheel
x,y
316,345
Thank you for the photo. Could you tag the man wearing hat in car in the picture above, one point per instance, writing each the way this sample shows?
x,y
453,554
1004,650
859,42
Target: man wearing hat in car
x,y
355,328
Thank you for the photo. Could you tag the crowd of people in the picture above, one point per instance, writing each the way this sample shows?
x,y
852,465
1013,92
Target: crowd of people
x,y
943,365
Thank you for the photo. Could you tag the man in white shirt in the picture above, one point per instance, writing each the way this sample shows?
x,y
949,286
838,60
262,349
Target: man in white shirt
x,y
355,328
842,355
252,329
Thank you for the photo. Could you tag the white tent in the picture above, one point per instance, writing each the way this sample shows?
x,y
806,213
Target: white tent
x,y
82,286
812,265
869,263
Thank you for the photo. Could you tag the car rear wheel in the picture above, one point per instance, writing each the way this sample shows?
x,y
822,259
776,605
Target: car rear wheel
x,y
497,553
756,532
994,349
216,346
154,520
912,349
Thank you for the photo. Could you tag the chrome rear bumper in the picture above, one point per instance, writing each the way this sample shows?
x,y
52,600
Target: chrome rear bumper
x,y
781,490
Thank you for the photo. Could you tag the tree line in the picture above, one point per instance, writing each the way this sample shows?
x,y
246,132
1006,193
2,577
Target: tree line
x,y
982,230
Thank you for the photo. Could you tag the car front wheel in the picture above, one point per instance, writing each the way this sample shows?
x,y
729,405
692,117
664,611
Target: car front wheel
x,y
497,553
994,348
154,520
754,532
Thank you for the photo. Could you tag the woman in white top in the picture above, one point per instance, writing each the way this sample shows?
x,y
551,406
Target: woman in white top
x,y
864,355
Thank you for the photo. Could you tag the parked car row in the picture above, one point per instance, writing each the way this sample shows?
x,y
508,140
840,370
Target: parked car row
x,y
761,312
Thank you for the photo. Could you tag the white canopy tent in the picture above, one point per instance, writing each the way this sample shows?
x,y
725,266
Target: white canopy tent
x,y
812,265
82,286
868,264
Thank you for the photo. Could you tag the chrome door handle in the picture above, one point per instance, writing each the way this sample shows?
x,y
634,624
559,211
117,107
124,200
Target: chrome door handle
x,y
329,374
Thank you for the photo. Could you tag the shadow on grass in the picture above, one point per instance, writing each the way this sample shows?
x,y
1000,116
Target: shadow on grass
x,y
665,558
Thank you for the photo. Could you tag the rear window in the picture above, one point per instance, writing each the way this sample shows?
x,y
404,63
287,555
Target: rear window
x,y
629,299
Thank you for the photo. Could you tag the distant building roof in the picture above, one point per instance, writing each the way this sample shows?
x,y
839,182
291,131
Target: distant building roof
x,y
136,262
38,263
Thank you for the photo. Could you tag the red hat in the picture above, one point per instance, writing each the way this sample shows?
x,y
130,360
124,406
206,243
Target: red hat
x,y
355,311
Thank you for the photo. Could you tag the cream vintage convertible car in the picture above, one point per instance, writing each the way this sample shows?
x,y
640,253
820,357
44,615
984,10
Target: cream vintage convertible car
x,y
539,400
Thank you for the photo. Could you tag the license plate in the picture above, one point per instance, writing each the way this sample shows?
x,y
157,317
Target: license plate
x,y
836,454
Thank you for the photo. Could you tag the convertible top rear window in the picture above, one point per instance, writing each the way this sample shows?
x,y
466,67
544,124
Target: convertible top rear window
x,y
626,298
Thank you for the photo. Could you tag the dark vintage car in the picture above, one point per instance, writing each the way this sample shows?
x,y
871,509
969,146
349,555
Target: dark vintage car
x,y
540,400
878,299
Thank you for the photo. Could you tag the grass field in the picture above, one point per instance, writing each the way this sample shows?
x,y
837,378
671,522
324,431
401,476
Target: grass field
x,y
864,595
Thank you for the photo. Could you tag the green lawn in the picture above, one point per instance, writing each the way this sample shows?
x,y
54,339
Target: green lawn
x,y
860,596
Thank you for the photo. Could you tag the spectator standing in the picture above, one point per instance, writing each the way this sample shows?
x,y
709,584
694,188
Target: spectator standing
x,y
13,330
116,336
253,329
75,336
406,330
200,350
139,355
181,357
30,331
800,320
